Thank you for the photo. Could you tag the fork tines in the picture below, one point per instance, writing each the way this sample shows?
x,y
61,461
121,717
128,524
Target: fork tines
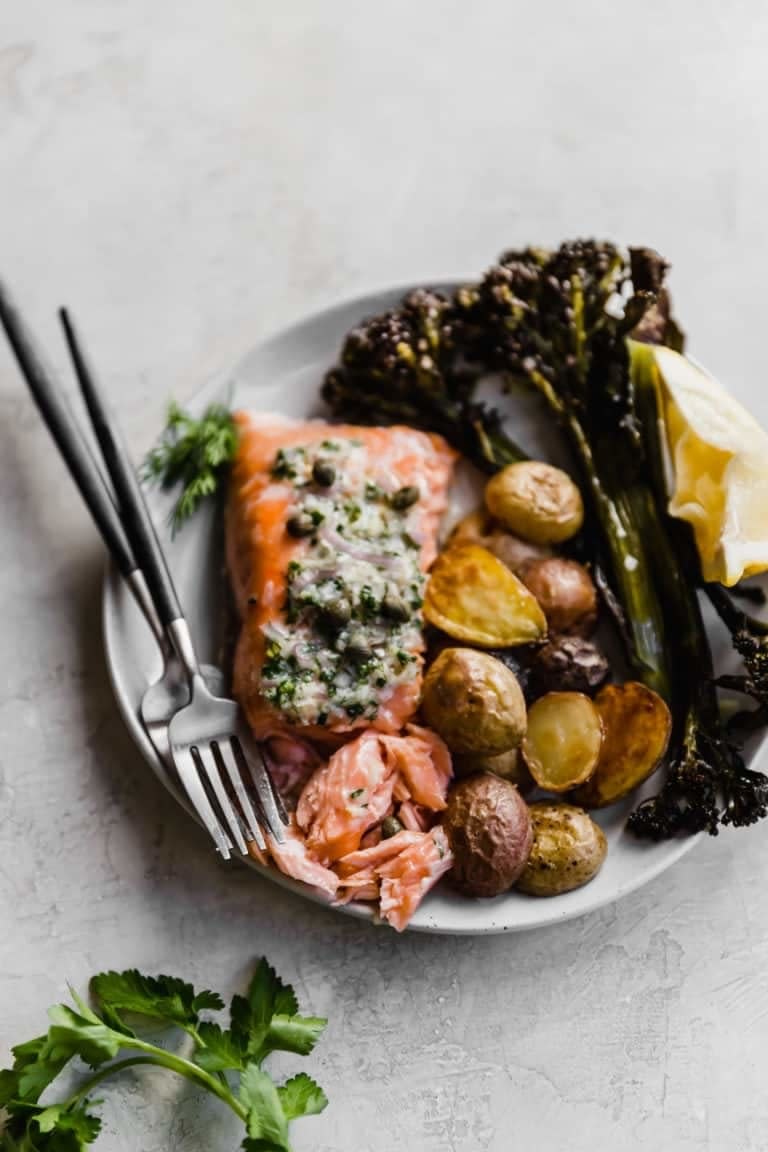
x,y
214,775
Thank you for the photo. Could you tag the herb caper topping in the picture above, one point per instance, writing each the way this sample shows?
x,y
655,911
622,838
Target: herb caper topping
x,y
390,827
405,497
395,608
300,524
323,473
357,647
337,612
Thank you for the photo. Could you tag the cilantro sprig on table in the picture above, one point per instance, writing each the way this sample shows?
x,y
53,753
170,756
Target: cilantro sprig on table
x,y
225,1061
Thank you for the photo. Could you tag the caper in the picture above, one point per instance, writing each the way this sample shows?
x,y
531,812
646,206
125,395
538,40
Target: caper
x,y
357,647
300,524
337,612
395,608
323,473
405,497
390,827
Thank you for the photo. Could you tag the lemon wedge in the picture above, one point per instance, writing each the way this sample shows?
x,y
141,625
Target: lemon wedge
x,y
719,464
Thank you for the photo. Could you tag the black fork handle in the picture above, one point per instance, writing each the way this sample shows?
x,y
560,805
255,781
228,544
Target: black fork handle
x,y
49,397
138,522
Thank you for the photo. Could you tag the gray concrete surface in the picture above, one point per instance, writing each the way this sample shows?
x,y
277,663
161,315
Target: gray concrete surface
x,y
188,177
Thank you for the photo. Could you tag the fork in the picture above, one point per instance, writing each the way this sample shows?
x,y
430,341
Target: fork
x,y
216,752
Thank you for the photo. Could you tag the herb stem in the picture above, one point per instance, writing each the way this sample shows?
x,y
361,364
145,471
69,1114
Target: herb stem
x,y
175,1063
104,1074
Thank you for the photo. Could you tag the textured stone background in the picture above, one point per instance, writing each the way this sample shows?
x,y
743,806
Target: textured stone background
x,y
188,177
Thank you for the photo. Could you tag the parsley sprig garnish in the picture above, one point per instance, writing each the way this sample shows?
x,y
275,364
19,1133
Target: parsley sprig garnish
x,y
225,1061
193,453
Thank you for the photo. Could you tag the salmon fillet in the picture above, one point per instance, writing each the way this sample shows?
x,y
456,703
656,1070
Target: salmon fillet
x,y
330,529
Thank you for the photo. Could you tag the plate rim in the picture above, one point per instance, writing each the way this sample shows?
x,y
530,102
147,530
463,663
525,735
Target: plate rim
x,y
368,302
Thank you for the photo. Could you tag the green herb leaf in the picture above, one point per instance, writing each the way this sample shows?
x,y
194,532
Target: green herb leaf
x,y
77,1121
297,1034
161,997
301,1096
75,1034
193,453
220,1050
266,1120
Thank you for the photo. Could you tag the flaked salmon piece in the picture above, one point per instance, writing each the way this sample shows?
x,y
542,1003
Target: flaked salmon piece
x,y
373,836
414,817
293,859
424,765
406,879
363,892
352,525
400,791
334,841
441,756
379,854
343,799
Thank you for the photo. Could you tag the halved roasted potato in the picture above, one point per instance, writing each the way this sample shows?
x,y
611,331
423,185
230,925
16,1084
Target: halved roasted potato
x,y
475,598
562,744
636,729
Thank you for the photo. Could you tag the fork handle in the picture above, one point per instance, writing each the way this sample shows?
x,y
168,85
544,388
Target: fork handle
x,y
138,522
55,412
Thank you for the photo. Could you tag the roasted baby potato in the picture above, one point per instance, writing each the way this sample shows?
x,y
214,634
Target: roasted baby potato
x,y
489,830
636,729
508,765
568,664
565,592
479,528
475,598
535,501
568,850
473,702
562,744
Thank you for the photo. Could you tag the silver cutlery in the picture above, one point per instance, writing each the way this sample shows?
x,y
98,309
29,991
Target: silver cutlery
x,y
217,762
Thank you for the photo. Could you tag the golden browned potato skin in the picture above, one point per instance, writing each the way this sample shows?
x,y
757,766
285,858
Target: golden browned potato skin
x,y
566,594
536,501
636,729
568,850
489,830
474,702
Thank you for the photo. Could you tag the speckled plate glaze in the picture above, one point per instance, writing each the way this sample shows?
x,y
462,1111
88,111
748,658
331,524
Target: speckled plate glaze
x,y
284,374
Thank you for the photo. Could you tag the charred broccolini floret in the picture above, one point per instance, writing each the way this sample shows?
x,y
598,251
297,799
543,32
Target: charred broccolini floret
x,y
750,639
403,367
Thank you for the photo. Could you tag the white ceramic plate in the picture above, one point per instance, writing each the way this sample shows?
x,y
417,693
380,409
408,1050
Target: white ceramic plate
x,y
284,374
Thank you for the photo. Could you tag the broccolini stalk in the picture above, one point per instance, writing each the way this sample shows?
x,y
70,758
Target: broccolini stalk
x,y
558,321
707,782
